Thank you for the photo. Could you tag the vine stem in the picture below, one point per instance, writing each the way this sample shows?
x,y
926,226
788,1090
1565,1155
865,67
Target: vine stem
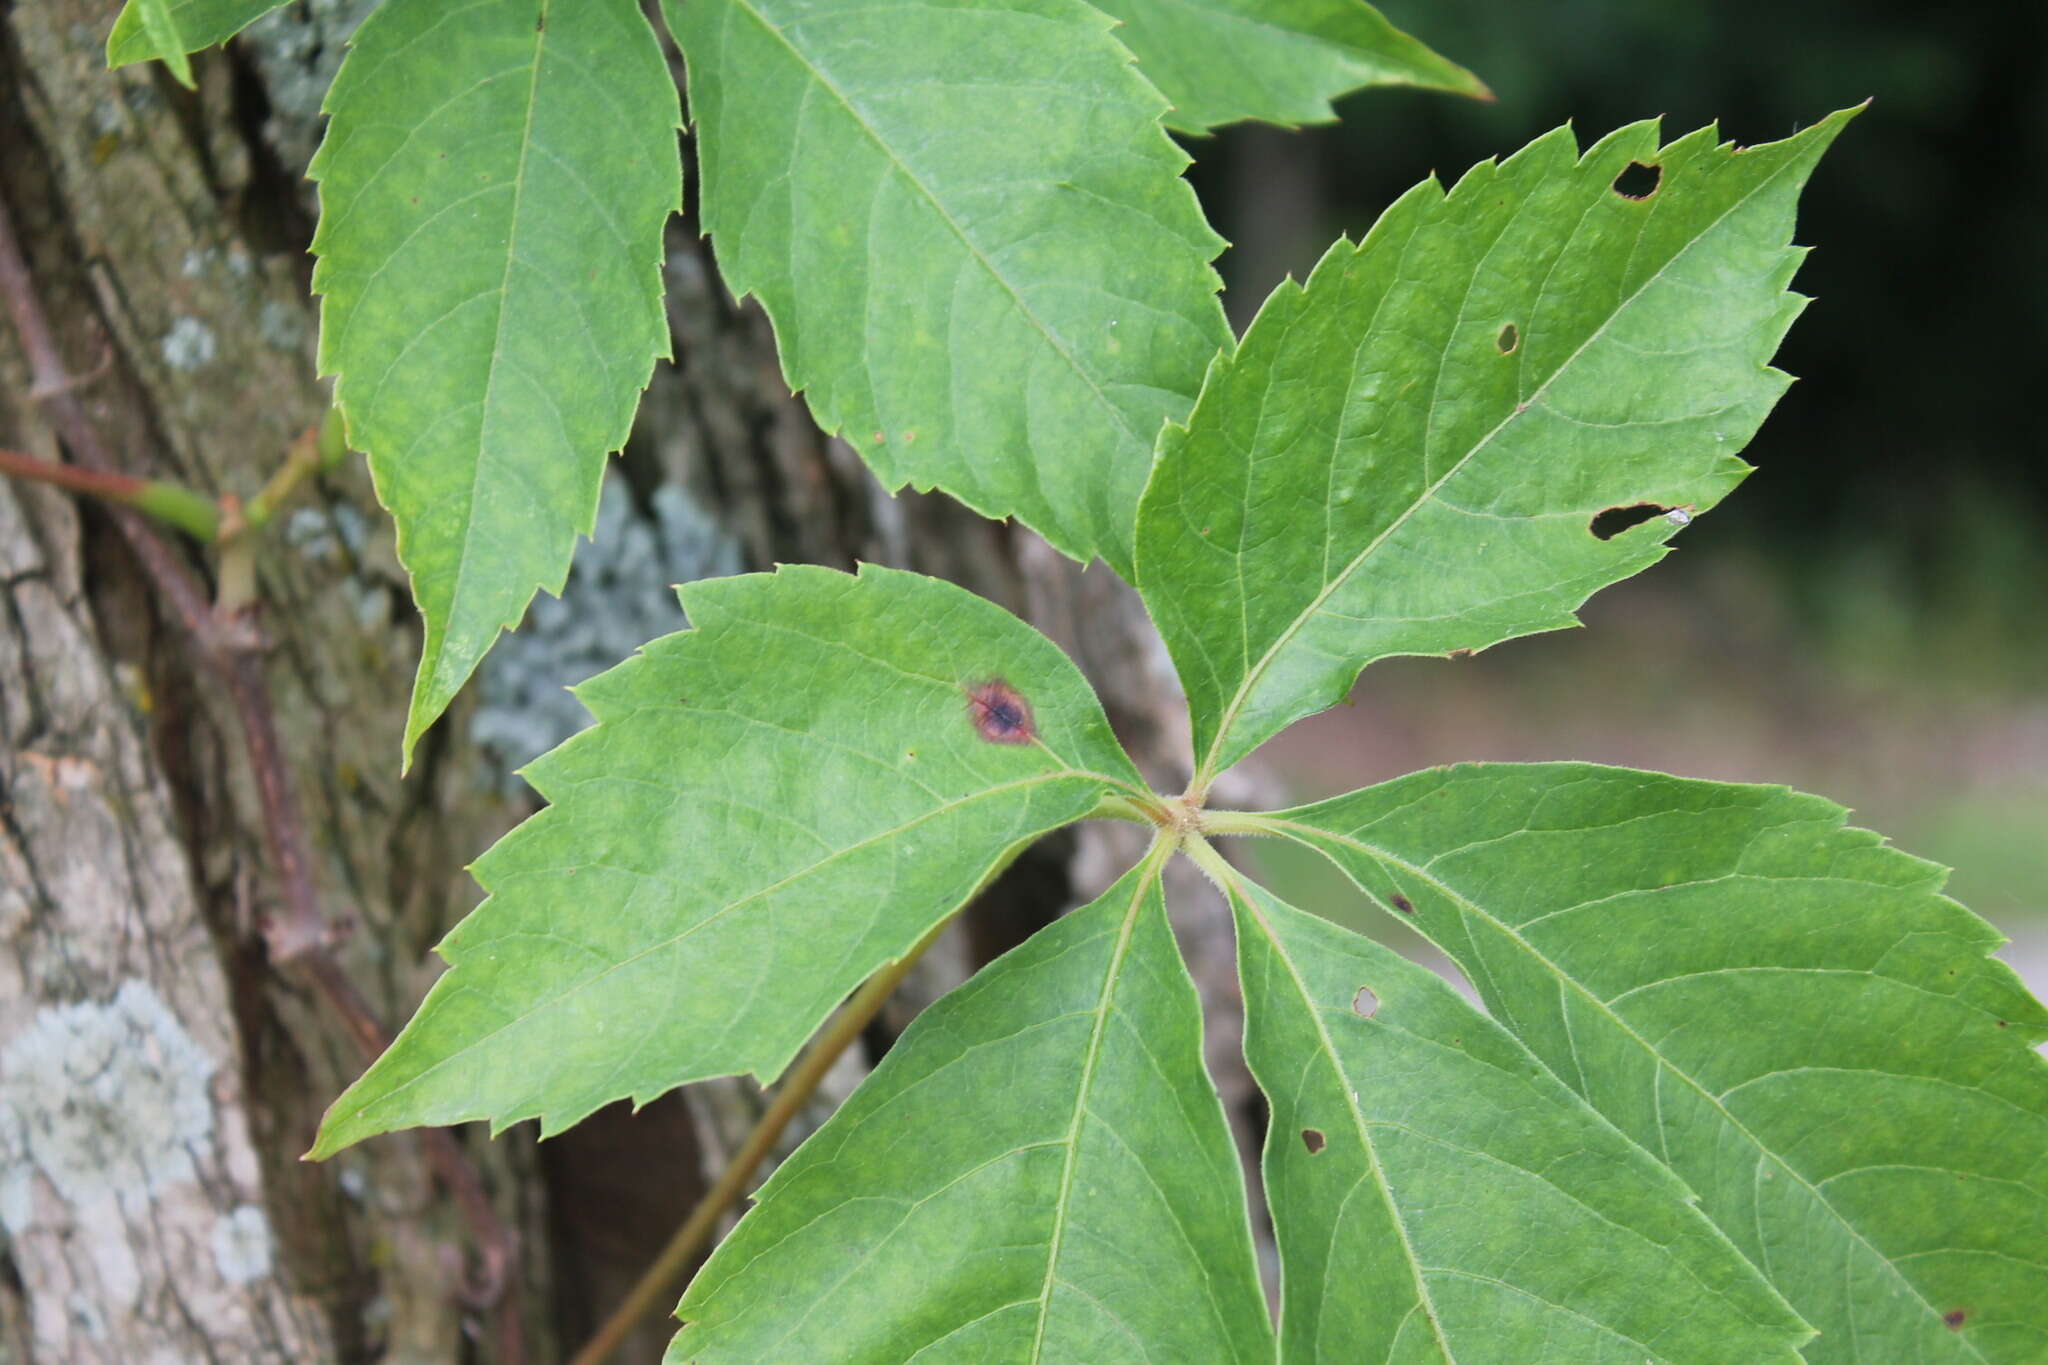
x,y
197,516
300,937
52,386
1249,823
660,1280
1212,863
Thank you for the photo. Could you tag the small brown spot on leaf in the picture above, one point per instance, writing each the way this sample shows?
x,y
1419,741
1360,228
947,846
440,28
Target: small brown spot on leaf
x,y
2004,1024
1955,1318
1365,1004
1000,713
1312,1138
1401,903
1637,181
879,438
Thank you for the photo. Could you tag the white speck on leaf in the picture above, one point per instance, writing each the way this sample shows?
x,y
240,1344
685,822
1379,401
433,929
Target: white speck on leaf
x,y
1678,516
241,1244
189,344
101,1100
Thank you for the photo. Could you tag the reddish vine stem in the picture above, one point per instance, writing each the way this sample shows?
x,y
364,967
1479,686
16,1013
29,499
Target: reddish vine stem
x,y
121,488
196,516
55,390
299,938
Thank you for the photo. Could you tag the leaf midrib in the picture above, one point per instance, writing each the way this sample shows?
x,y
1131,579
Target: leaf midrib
x,y
1147,879
1311,833
1208,769
487,406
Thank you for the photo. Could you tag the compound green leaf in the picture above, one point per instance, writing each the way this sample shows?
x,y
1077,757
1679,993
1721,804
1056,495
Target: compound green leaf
x,y
1785,1010
148,30
771,806
1438,1196
971,233
1277,61
1039,1170
493,186
1408,456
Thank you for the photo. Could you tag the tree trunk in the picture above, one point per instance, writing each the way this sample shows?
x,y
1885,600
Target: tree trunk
x,y
160,1075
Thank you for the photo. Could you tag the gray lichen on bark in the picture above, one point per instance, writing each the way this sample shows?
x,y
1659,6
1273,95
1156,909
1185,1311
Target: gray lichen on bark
x,y
123,1131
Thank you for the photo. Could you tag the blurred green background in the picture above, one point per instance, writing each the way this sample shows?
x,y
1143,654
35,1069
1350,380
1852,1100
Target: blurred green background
x,y
1862,618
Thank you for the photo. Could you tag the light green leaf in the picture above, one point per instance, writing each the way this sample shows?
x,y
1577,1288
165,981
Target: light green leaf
x,y
1786,1011
493,187
148,30
1439,1196
971,233
771,806
1039,1170
1407,456
1278,61
168,29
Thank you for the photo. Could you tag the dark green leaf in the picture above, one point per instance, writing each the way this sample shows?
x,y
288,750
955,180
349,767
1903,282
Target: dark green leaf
x,y
1785,1010
1278,61
971,232
1408,456
1039,1170
493,187
1439,1196
168,29
155,24
771,806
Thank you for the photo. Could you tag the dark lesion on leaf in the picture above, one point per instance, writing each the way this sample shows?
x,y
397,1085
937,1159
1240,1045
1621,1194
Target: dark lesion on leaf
x,y
1312,1138
1638,181
1401,903
1509,338
999,713
1955,1318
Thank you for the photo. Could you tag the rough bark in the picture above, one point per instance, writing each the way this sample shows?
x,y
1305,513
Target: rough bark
x,y
160,1076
